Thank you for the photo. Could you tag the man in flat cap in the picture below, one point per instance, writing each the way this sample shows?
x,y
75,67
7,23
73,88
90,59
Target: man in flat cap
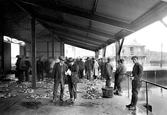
x,y
89,68
119,77
137,74
59,74
108,71
18,71
73,79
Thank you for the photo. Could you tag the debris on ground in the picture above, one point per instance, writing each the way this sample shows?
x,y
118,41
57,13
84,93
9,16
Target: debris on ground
x,y
7,95
93,89
4,90
26,91
89,104
31,105
38,96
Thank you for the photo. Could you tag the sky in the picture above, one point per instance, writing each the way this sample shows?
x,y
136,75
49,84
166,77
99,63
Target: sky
x,y
152,36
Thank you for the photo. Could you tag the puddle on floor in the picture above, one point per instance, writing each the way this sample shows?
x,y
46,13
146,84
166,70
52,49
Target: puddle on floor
x,y
31,105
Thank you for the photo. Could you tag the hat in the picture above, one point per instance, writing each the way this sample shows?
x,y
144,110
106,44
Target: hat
x,y
133,57
87,58
109,58
121,60
62,58
18,56
70,59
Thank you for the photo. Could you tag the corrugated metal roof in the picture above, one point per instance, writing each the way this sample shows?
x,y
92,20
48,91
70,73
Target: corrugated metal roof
x,y
89,24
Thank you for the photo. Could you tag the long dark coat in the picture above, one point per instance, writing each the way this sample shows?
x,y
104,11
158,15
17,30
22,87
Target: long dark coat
x,y
57,72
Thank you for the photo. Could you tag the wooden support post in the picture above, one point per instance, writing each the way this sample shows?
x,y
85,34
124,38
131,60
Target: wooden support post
x,y
104,51
2,27
47,50
25,53
53,45
96,54
1,53
119,51
117,47
33,50
61,48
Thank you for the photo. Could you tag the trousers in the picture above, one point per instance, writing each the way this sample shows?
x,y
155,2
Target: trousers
x,y
136,85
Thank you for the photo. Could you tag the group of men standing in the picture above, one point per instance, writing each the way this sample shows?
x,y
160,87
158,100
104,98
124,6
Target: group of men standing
x,y
23,67
65,71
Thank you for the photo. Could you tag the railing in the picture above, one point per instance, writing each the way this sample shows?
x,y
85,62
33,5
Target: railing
x,y
147,82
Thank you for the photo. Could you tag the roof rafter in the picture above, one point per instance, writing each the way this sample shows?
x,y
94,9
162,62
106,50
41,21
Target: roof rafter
x,y
95,6
77,38
153,14
75,26
79,42
79,45
84,39
74,34
121,34
82,13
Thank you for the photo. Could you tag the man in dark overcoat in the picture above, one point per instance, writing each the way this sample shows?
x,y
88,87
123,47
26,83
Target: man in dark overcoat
x,y
108,71
81,65
59,74
89,68
18,71
103,67
40,68
73,79
137,74
119,77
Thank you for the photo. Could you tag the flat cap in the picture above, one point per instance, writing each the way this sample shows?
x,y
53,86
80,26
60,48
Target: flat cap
x,y
121,60
134,57
71,59
62,58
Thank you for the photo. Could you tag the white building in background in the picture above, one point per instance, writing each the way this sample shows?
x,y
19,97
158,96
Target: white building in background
x,y
110,50
72,51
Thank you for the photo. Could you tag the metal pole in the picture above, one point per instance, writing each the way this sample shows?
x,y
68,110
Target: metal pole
x,y
33,49
161,55
147,97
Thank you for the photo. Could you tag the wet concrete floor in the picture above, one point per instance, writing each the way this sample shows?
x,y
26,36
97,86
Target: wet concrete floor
x,y
21,105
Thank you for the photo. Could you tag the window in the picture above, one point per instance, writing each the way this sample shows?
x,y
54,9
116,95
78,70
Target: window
x,y
132,50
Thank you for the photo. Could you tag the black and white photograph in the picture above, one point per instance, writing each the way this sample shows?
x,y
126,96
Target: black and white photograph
x,y
83,57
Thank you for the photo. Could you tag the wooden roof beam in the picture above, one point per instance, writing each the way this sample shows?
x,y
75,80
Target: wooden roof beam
x,y
75,26
153,14
60,32
80,45
121,34
79,42
95,6
66,32
81,13
76,38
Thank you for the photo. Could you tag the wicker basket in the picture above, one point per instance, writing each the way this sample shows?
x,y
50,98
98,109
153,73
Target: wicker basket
x,y
107,92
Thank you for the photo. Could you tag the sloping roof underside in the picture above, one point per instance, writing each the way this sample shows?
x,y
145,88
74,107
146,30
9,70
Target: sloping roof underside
x,y
89,24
